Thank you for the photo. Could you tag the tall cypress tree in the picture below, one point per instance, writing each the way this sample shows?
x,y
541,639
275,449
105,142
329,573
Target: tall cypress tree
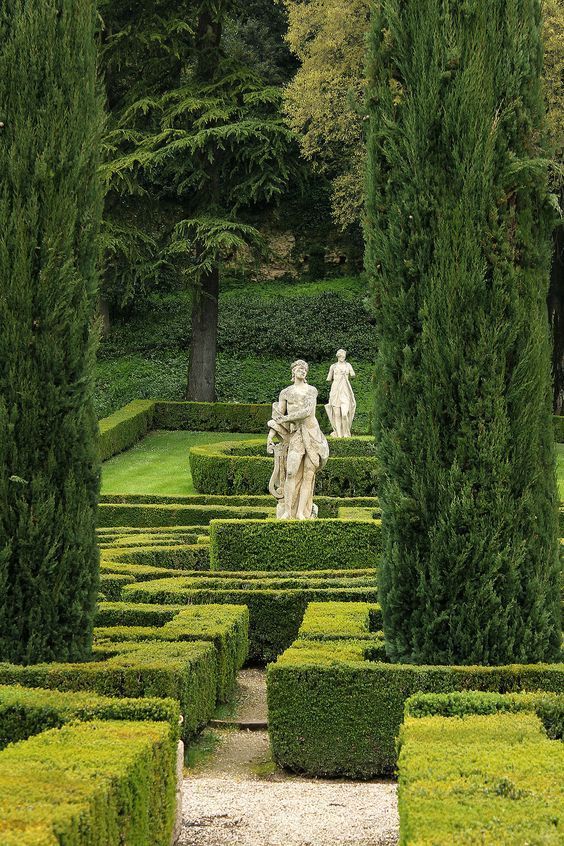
x,y
49,214
458,230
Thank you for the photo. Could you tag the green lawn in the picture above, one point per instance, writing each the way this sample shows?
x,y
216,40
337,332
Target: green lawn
x,y
159,463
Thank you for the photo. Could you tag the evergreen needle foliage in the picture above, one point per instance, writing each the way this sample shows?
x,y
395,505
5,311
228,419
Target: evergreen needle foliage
x,y
459,218
50,206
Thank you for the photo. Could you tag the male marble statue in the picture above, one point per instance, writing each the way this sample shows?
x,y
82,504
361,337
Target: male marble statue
x,y
301,451
342,404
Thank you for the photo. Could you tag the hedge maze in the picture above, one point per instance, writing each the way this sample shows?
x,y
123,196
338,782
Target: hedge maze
x,y
191,589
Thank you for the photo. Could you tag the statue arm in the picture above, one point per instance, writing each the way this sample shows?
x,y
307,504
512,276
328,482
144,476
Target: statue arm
x,y
352,374
330,374
307,409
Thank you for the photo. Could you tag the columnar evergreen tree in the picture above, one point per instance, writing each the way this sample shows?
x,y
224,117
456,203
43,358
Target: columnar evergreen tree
x,y
49,215
458,228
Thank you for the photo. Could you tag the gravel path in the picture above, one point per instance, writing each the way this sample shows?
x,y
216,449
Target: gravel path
x,y
238,797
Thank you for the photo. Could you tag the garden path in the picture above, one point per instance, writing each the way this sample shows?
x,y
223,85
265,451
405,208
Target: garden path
x,y
235,794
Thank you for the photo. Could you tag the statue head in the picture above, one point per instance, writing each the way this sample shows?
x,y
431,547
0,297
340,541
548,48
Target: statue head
x,y
341,355
299,367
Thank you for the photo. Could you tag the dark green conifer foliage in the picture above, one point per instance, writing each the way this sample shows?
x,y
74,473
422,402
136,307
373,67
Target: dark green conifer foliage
x,y
458,226
49,215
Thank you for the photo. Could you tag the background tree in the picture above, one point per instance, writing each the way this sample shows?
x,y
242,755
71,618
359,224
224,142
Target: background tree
x,y
49,216
324,99
553,31
217,144
459,223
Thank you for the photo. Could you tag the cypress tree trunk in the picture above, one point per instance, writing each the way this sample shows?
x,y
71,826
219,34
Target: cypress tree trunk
x,y
556,317
458,234
49,214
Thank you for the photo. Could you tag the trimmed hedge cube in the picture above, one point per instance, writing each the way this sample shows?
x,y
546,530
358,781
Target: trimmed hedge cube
x,y
482,779
186,672
25,711
90,784
294,544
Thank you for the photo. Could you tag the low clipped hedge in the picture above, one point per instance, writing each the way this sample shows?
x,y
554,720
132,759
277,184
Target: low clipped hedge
x,y
112,583
233,468
212,416
186,672
294,545
341,621
483,779
335,707
328,507
150,515
125,427
25,712
549,707
276,605
226,626
194,556
89,784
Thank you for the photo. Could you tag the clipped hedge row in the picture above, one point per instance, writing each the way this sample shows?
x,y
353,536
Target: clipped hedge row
x,y
484,779
226,626
328,507
212,416
186,672
335,707
125,427
549,707
195,556
25,712
88,784
150,515
276,605
294,545
232,468
341,621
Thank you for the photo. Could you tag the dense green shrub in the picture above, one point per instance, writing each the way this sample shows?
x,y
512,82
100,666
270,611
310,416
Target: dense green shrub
x,y
111,583
294,545
212,416
341,621
186,672
178,557
276,605
50,209
125,427
458,227
328,507
233,468
90,784
226,626
335,706
484,779
27,711
548,706
148,515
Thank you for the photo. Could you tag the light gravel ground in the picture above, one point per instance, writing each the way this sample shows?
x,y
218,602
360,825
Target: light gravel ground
x,y
297,812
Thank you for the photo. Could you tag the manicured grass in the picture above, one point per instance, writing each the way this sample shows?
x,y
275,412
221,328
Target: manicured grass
x,y
159,463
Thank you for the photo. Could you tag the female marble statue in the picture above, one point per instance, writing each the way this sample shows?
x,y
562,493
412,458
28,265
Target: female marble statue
x,y
301,451
342,404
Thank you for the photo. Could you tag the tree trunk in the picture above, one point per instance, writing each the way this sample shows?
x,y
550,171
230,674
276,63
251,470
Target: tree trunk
x,y
556,318
203,347
104,311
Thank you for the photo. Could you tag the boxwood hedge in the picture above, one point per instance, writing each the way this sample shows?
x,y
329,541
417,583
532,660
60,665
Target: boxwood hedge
x,y
276,603
25,712
186,672
232,468
294,545
150,515
88,784
482,779
335,707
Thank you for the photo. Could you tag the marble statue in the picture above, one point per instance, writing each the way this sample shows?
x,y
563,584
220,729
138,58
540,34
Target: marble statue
x,y
301,451
342,404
